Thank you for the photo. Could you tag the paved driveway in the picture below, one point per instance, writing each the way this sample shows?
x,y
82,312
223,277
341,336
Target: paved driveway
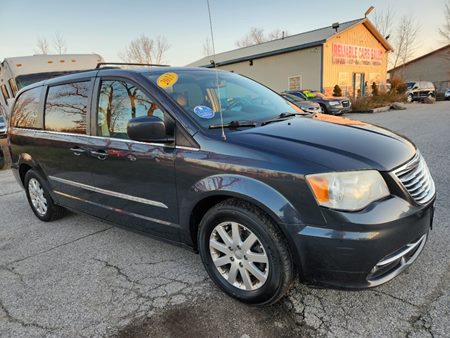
x,y
81,277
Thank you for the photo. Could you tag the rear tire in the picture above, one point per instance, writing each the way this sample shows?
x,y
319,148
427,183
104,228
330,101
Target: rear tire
x,y
244,253
39,198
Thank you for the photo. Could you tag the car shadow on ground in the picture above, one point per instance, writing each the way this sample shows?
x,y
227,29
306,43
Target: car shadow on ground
x,y
214,316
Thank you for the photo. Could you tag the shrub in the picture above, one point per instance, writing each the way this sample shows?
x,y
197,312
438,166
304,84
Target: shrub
x,y
374,89
367,103
398,86
337,91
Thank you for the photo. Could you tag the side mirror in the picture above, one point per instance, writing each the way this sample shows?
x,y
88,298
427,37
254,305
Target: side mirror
x,y
149,129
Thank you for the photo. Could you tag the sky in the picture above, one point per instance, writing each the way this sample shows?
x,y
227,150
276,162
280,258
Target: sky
x,y
107,27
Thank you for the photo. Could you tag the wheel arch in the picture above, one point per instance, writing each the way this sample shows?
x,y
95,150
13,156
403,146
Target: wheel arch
x,y
25,163
207,192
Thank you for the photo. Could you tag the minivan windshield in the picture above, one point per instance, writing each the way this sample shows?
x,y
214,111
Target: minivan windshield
x,y
203,94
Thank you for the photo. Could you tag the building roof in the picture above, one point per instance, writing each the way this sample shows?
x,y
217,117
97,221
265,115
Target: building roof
x,y
288,44
420,58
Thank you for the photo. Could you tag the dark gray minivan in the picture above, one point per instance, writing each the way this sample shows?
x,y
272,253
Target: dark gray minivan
x,y
221,164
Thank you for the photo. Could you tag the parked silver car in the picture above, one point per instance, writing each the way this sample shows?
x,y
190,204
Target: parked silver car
x,y
307,106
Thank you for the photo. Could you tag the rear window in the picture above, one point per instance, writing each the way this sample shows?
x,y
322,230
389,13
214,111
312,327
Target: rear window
x,y
66,108
26,80
26,110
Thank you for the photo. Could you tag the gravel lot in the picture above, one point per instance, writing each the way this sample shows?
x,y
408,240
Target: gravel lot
x,y
81,277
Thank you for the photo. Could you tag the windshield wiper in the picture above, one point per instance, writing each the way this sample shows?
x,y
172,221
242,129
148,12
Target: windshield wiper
x,y
282,117
233,124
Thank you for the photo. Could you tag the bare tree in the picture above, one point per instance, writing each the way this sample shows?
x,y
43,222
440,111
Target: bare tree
x,y
162,46
405,41
384,21
257,36
277,34
207,47
60,44
146,50
444,31
42,46
254,37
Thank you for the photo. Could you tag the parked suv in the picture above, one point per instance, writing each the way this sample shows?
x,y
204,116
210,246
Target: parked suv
x,y
219,163
329,105
419,90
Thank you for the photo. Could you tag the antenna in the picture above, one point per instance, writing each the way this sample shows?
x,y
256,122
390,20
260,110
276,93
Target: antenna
x,y
217,72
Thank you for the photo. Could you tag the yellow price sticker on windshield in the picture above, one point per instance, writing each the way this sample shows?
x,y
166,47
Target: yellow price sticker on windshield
x,y
167,80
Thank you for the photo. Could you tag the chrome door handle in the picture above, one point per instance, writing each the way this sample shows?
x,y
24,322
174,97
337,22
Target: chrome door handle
x,y
101,154
77,151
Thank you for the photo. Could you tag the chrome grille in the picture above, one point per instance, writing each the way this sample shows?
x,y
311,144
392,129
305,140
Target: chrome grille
x,y
417,180
345,103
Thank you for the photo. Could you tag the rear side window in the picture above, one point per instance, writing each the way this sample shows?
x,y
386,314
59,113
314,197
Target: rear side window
x,y
66,107
26,110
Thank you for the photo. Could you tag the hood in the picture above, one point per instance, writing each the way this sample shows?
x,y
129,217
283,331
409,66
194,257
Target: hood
x,y
334,143
336,98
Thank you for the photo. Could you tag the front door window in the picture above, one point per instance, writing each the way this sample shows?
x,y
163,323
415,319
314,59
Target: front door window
x,y
119,102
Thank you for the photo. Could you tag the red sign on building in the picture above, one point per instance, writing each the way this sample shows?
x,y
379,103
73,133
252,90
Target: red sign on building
x,y
357,55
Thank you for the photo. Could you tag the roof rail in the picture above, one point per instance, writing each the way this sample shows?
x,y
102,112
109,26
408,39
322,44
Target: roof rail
x,y
99,65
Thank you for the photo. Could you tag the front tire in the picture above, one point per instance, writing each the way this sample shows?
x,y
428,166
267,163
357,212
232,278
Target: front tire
x,y
39,198
244,253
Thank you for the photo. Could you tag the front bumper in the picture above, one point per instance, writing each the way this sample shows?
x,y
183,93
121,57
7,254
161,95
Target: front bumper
x,y
366,248
338,110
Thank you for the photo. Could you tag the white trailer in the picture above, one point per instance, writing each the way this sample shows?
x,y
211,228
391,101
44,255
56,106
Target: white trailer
x,y
18,72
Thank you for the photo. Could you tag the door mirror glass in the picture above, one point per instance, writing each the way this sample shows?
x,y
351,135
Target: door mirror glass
x,y
149,129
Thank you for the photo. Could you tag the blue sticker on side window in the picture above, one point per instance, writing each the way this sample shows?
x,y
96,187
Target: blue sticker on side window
x,y
204,112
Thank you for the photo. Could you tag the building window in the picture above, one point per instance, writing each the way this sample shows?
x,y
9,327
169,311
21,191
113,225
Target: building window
x,y
295,82
66,108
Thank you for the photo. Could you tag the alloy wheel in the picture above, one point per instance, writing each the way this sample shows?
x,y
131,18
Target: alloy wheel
x,y
37,196
239,256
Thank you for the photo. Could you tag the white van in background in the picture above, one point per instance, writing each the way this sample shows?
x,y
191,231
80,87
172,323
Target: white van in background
x,y
18,72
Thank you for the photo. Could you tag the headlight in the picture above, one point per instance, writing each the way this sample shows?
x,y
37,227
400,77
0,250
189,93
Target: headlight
x,y
334,103
350,191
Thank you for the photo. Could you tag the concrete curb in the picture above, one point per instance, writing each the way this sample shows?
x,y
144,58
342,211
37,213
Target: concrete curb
x,y
371,111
